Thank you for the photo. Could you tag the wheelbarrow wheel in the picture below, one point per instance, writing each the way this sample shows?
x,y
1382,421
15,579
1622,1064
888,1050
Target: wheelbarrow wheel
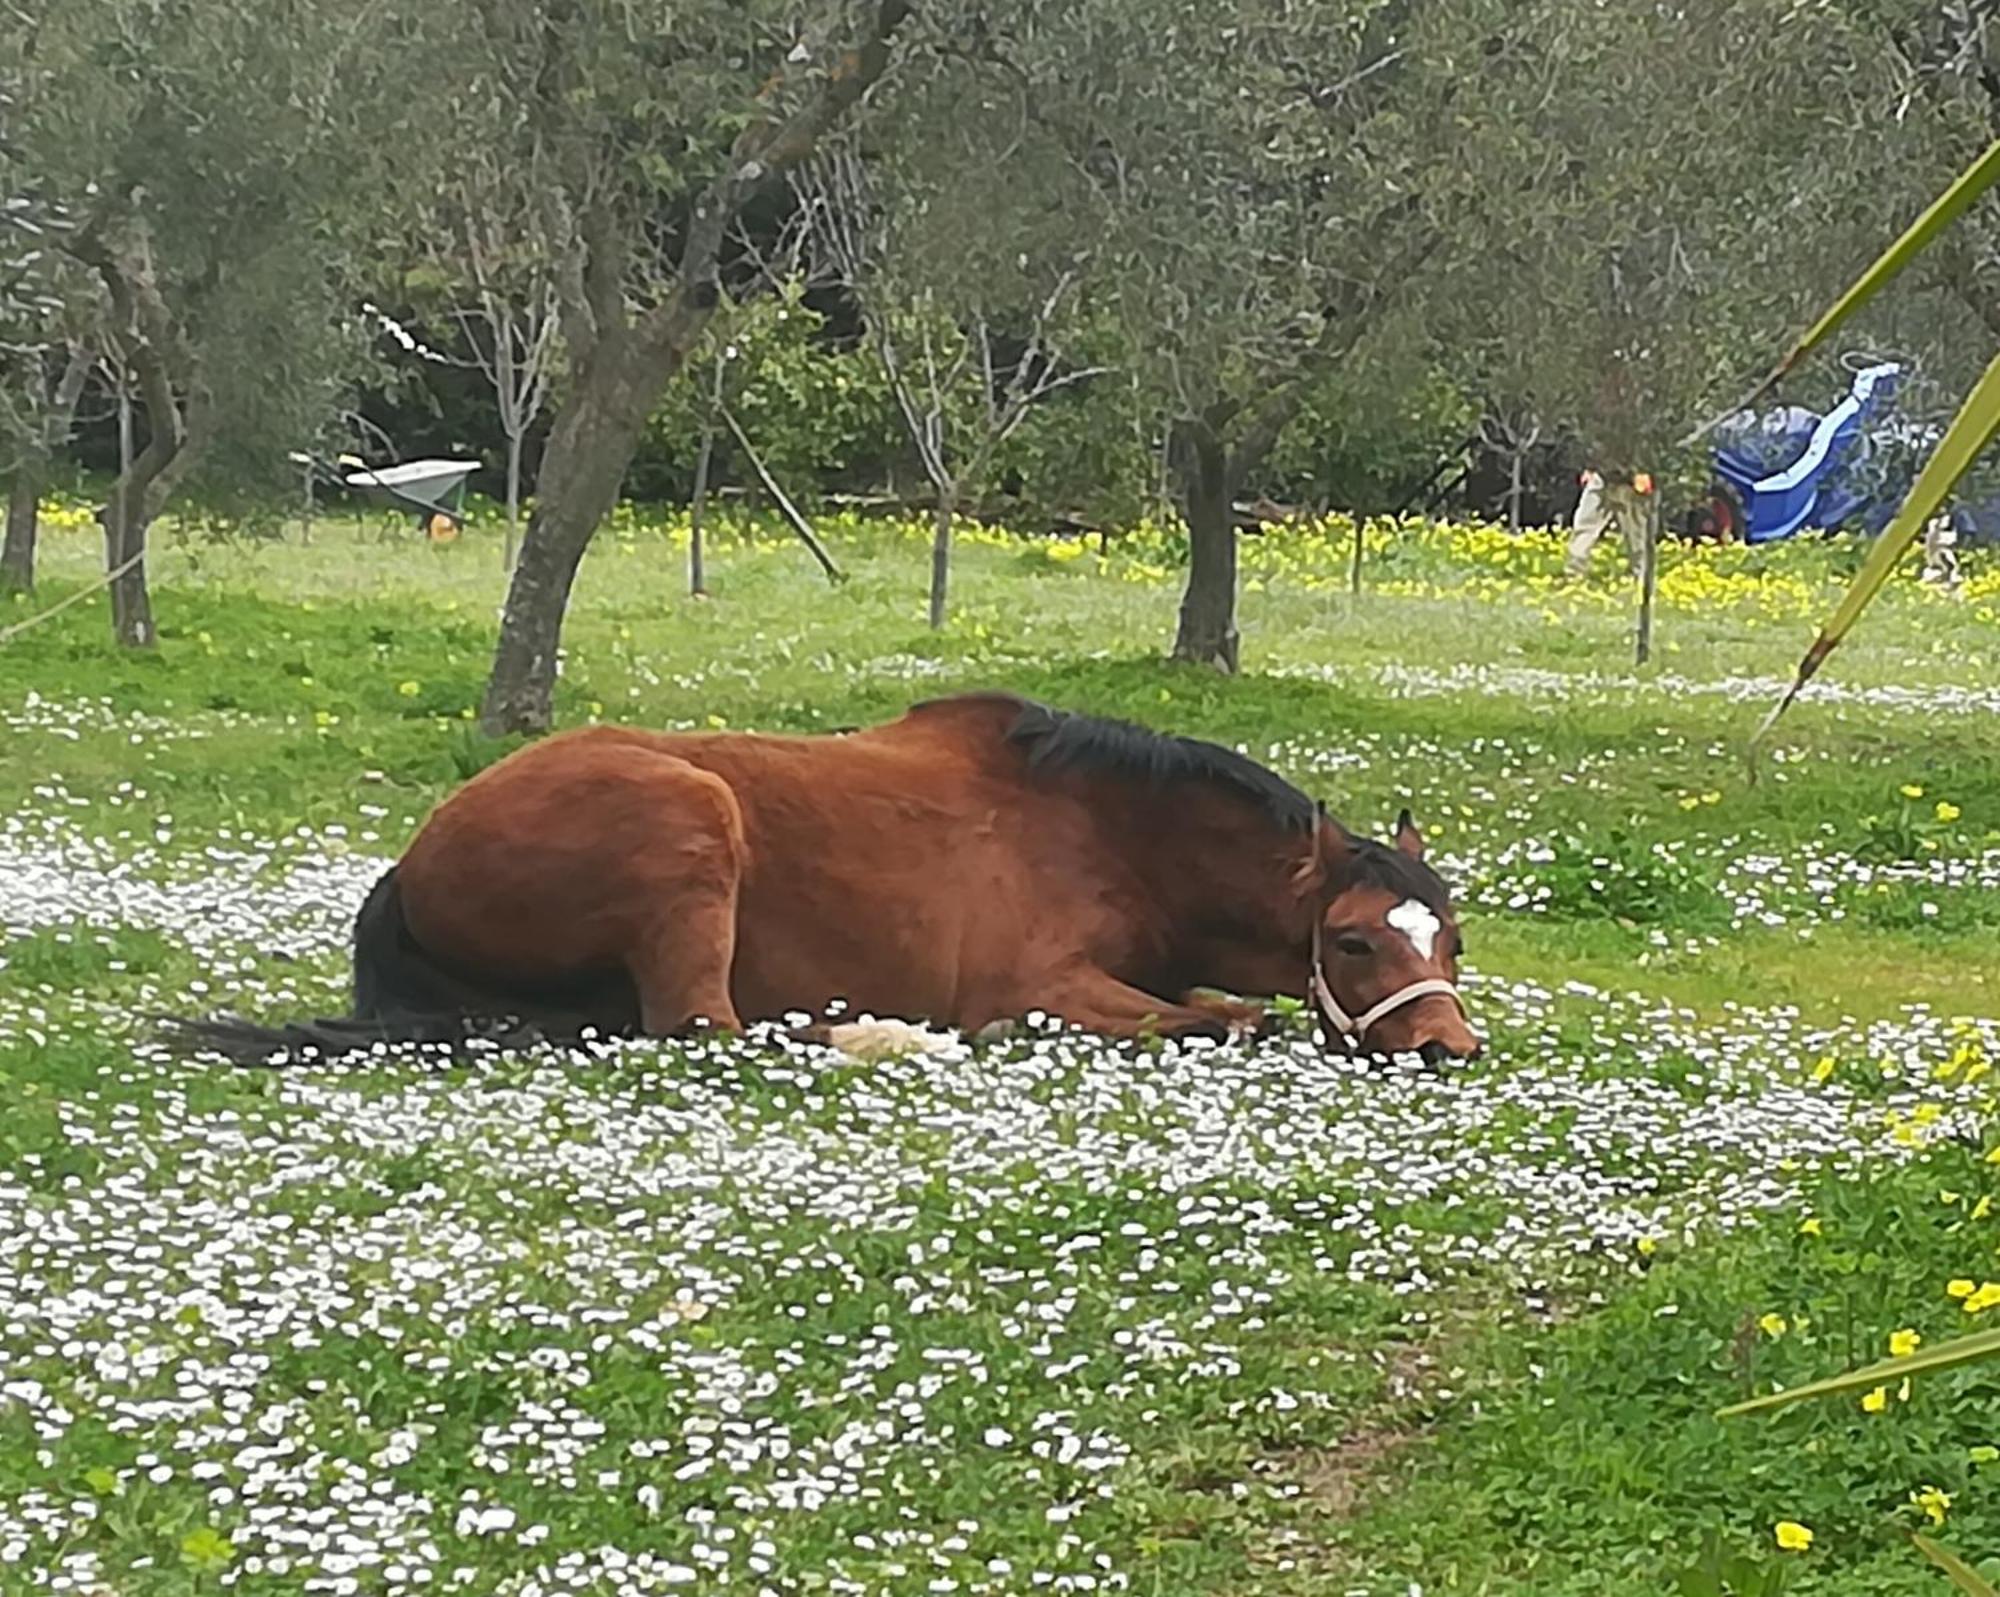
x,y
442,528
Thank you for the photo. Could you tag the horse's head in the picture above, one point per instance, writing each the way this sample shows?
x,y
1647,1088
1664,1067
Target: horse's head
x,y
1386,947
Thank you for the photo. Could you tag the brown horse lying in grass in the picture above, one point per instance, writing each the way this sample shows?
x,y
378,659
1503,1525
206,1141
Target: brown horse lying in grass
x,y
978,859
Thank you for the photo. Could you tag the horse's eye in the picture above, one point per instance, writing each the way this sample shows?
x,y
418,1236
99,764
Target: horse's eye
x,y
1357,946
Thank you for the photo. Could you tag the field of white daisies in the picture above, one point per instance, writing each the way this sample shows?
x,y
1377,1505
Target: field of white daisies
x,y
1050,1315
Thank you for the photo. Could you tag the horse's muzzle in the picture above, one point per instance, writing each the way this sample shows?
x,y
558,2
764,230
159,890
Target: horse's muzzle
x,y
1436,1054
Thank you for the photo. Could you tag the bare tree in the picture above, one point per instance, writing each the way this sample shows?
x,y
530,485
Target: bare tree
x,y
937,343
1512,435
509,309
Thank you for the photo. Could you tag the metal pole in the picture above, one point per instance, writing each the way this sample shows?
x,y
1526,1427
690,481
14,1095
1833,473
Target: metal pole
x,y
1649,570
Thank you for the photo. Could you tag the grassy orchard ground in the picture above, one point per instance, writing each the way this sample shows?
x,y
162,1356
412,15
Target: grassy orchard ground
x,y
1055,1316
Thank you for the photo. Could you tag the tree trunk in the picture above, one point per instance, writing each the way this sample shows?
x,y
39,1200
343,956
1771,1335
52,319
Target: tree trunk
x,y
17,558
1207,634
697,567
124,521
513,499
1649,574
137,498
704,462
590,445
941,558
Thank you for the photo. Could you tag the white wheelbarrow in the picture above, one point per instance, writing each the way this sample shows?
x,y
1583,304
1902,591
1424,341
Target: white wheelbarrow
x,y
422,487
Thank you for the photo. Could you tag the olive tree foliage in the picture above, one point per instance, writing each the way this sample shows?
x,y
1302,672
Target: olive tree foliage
x,y
1649,193
1943,67
220,163
646,130
1253,179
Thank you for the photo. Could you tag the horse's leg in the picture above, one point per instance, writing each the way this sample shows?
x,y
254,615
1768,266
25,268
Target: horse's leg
x,y
1097,1001
684,948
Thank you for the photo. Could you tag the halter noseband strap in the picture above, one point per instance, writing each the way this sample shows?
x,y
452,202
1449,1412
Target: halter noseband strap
x,y
1354,1028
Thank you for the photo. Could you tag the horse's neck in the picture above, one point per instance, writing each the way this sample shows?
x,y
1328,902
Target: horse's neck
x,y
1208,861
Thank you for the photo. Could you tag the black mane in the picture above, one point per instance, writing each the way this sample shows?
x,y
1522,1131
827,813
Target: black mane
x,y
1065,740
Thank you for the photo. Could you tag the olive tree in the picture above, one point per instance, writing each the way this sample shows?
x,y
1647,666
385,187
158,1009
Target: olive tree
x,y
1253,178
646,131
221,169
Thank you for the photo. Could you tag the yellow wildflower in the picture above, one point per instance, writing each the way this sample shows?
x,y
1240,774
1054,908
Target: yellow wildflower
x,y
1647,1246
1960,1288
1772,1324
1912,790
409,690
1824,1069
1876,1401
1948,811
1984,1299
1903,1343
1792,1536
1933,1502
1810,1226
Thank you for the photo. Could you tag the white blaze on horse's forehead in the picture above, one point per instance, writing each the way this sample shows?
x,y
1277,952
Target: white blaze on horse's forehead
x,y
1418,923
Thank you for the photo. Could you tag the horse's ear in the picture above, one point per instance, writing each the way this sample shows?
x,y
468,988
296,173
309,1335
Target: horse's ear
x,y
1408,838
1331,844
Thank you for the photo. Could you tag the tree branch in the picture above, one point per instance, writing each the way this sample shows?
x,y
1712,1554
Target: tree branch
x,y
769,145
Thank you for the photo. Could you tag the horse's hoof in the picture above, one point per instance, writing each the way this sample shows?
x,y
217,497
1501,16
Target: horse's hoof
x,y
996,1031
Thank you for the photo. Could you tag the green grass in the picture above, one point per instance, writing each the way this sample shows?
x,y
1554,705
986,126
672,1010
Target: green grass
x,y
1276,1412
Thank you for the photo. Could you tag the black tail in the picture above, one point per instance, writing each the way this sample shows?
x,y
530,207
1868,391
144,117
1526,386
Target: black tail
x,y
404,996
